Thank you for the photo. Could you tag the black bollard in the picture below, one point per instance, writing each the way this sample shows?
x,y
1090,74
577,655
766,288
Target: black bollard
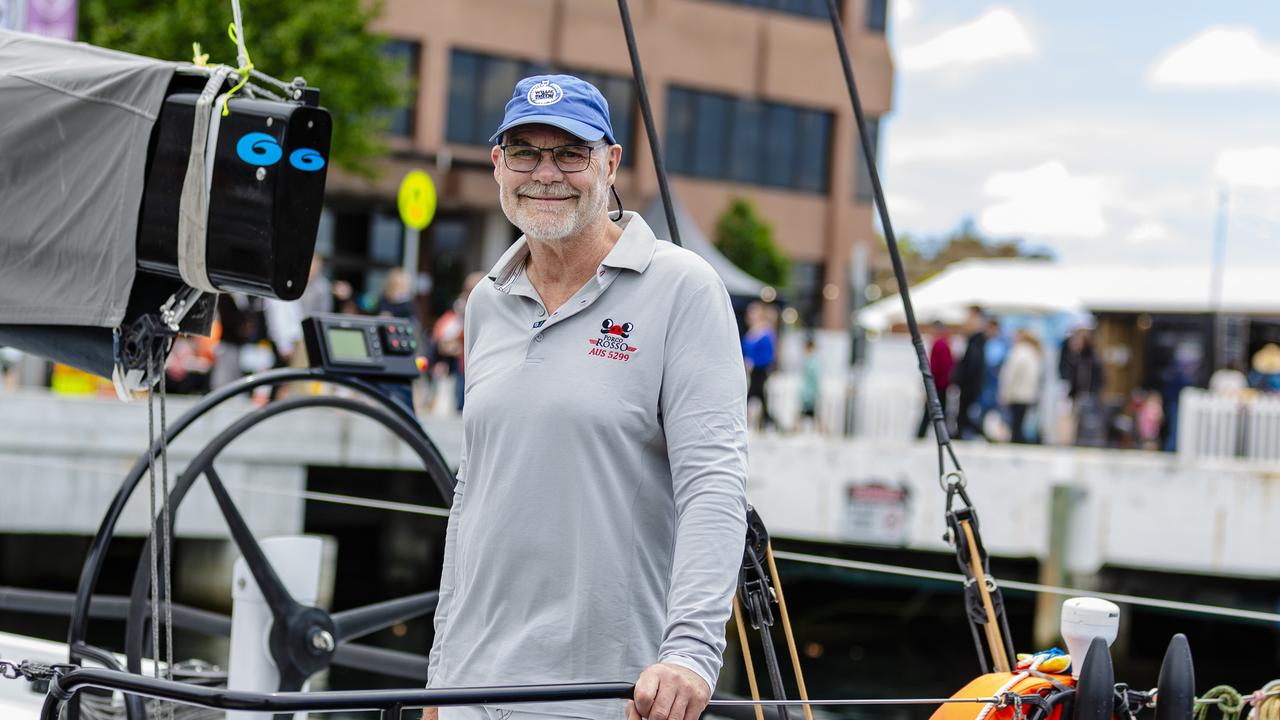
x,y
1176,689
1096,689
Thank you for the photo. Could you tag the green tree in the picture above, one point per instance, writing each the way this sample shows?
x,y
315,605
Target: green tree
x,y
325,41
747,240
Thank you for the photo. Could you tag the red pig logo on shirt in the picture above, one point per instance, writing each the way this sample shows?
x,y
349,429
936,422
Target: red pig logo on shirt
x,y
609,328
613,340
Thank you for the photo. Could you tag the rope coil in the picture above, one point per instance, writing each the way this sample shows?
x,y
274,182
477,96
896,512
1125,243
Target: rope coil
x,y
1227,698
1264,704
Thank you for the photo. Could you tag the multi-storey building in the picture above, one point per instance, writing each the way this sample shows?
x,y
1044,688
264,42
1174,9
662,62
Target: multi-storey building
x,y
748,97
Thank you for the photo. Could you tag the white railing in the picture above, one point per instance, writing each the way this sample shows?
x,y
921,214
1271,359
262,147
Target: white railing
x,y
1219,425
831,410
887,406
1262,432
884,406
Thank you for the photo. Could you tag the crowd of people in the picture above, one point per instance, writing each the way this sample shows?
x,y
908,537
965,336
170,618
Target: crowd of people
x,y
996,382
255,334
992,386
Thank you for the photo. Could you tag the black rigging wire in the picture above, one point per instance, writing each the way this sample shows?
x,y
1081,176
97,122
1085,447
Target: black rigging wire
x,y
963,519
934,408
647,111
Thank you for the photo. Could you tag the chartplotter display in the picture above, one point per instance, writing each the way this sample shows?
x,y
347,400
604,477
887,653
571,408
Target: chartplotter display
x,y
348,344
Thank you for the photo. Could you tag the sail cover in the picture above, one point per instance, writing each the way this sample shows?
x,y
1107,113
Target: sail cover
x,y
75,122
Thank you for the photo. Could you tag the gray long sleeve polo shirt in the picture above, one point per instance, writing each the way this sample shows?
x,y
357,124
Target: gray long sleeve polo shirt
x,y
599,517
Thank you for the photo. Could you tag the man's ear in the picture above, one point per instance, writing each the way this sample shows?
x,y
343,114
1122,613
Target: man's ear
x,y
615,161
496,155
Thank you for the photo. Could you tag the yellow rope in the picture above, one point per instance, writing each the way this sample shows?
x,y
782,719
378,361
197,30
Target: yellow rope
x,y
746,655
1265,703
786,627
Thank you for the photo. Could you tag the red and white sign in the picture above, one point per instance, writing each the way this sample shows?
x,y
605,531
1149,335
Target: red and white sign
x,y
876,513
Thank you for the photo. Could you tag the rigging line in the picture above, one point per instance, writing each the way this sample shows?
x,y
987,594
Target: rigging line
x,y
242,54
334,498
646,111
1199,608
858,701
163,351
902,570
899,271
1033,587
344,500
152,519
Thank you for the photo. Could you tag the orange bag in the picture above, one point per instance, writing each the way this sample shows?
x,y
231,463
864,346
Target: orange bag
x,y
991,685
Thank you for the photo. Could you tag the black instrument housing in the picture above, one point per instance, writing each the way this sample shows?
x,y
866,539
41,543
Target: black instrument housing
x,y
264,202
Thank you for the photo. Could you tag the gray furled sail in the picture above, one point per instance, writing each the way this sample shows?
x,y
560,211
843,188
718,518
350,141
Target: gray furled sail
x,y
736,280
75,122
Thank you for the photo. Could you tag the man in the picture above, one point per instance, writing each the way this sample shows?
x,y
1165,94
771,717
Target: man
x,y
599,516
969,374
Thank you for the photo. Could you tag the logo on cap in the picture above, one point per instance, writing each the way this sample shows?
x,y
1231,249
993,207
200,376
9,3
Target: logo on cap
x,y
545,93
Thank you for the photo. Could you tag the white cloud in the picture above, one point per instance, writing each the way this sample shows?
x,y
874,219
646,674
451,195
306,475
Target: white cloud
x,y
1250,167
902,205
1045,200
1220,56
1147,231
902,11
997,35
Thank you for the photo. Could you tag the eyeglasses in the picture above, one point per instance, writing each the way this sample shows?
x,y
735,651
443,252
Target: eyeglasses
x,y
525,158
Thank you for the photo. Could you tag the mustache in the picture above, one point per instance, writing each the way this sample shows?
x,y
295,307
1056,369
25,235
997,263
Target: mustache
x,y
540,190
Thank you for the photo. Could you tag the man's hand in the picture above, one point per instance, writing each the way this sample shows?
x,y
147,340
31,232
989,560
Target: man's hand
x,y
430,714
666,691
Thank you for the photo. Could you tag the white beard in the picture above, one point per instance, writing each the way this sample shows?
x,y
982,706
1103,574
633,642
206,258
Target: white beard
x,y
547,225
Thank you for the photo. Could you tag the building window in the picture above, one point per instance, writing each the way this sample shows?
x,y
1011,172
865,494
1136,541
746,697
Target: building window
x,y
862,181
480,86
401,120
805,291
729,138
877,15
806,8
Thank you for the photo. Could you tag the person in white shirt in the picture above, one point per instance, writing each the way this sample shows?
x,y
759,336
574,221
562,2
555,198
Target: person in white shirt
x,y
1020,379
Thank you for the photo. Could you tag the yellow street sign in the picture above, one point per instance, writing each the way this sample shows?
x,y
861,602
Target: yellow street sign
x,y
417,199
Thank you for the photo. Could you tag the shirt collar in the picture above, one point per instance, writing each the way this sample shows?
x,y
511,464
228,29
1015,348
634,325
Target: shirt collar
x,y
633,251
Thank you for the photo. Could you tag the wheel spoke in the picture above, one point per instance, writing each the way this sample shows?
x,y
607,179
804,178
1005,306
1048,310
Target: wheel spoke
x,y
273,590
290,681
361,621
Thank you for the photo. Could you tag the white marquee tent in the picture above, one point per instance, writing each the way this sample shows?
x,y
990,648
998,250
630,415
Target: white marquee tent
x,y
1041,287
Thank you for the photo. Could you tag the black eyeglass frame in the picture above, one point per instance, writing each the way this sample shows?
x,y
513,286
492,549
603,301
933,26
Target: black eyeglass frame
x,y
506,159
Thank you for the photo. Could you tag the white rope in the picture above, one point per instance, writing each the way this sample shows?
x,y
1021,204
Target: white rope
x,y
1008,686
781,554
854,701
242,55
1033,587
345,500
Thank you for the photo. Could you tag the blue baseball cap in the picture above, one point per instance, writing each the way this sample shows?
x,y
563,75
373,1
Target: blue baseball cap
x,y
562,101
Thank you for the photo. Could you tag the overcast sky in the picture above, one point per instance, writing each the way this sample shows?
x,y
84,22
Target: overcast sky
x,y
1100,129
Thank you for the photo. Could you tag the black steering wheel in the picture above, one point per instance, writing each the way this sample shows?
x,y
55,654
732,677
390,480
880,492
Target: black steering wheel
x,y
303,639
